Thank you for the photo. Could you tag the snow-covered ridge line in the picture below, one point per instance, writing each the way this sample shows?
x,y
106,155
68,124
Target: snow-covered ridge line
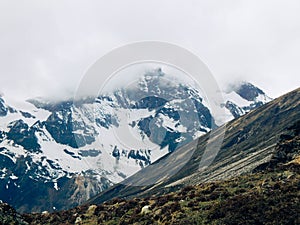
x,y
53,142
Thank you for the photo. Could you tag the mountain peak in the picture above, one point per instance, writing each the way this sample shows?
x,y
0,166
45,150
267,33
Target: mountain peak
x,y
248,91
249,142
3,108
242,97
158,113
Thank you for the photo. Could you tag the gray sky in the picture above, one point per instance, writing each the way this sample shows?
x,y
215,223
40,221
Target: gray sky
x,y
46,46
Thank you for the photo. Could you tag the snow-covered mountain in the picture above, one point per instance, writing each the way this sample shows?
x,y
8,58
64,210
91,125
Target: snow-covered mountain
x,y
69,151
241,98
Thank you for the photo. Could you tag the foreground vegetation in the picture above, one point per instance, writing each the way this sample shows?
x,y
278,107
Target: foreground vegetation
x,y
269,197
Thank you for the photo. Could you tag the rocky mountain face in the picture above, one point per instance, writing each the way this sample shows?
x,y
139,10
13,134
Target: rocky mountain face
x,y
69,151
244,97
263,137
253,180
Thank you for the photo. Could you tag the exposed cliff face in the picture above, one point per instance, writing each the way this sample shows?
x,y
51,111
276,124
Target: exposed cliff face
x,y
253,180
250,141
3,108
287,150
46,146
242,98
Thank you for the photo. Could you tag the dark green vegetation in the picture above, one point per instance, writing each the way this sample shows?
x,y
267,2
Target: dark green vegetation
x,y
270,197
8,215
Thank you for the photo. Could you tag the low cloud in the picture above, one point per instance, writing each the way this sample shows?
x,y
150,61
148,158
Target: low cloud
x,y
47,47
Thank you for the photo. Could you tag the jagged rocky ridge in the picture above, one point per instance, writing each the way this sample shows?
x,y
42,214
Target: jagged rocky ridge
x,y
66,151
265,193
250,142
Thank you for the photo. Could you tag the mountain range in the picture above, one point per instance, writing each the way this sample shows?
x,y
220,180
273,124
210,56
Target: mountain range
x,y
251,143
254,179
70,151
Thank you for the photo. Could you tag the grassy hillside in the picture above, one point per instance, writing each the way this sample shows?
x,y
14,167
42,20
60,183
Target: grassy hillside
x,y
239,191
269,195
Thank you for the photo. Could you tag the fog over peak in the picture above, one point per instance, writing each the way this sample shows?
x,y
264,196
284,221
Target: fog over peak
x,y
47,47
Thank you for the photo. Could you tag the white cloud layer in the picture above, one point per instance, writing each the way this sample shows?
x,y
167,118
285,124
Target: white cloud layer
x,y
46,46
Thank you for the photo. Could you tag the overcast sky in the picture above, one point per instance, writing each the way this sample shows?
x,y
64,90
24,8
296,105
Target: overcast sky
x,y
47,46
